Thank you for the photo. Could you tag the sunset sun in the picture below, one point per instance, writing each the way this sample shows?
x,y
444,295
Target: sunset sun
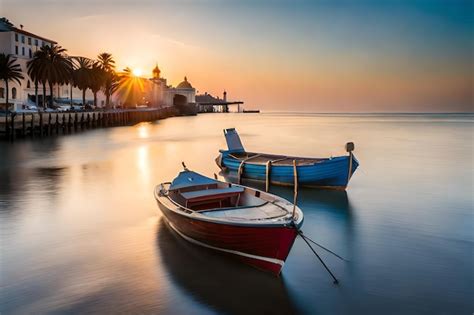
x,y
137,72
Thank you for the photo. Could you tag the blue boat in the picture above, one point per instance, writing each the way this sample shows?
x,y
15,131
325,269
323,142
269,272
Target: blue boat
x,y
332,172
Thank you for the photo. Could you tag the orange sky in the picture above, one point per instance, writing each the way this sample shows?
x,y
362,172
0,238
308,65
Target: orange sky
x,y
275,55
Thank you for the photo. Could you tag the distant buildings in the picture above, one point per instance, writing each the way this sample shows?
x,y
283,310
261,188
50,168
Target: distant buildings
x,y
22,45
163,95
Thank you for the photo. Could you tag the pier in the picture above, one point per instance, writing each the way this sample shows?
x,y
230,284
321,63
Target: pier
x,y
43,124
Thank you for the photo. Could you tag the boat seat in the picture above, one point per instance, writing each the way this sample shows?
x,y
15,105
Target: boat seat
x,y
211,194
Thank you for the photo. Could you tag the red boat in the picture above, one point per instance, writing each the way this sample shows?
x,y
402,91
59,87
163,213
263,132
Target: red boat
x,y
257,227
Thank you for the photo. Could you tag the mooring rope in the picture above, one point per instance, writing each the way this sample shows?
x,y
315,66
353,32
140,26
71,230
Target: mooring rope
x,y
300,233
321,246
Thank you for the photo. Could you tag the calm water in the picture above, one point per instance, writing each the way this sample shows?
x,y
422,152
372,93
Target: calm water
x,y
80,230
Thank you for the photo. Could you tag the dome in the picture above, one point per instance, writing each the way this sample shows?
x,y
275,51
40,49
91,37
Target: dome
x,y
185,84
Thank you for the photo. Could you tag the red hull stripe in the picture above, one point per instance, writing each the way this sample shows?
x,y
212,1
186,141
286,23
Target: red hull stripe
x,y
189,239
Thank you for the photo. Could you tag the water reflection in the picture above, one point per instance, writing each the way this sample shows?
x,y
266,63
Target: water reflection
x,y
220,282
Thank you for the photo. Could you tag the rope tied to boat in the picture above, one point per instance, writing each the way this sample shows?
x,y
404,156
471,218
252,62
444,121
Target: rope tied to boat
x,y
300,233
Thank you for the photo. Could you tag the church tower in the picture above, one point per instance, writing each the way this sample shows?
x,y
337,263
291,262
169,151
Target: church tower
x,y
156,72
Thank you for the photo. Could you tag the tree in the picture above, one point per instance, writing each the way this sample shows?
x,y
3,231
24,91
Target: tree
x,y
6,23
9,71
59,67
97,80
37,72
111,79
51,65
82,75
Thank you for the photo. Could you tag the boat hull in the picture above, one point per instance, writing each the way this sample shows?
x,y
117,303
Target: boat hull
x,y
265,248
328,173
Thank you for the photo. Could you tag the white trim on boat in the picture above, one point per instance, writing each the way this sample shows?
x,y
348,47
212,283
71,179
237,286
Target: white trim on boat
x,y
189,239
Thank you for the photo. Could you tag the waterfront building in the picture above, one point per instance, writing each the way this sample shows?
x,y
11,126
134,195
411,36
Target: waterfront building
x,y
164,95
22,45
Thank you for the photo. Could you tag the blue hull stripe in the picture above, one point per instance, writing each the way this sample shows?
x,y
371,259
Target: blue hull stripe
x,y
329,172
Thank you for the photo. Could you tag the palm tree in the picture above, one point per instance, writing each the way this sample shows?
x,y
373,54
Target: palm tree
x,y
97,80
51,65
111,80
131,87
9,71
37,72
82,75
59,67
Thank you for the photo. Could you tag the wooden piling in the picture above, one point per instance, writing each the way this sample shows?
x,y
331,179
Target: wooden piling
x,y
49,124
32,125
23,125
57,123
12,122
41,124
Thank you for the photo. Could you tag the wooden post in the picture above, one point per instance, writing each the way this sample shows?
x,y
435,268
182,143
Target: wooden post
x,y
267,177
13,125
69,124
23,124
57,123
295,196
7,131
63,123
76,118
32,125
41,124
49,124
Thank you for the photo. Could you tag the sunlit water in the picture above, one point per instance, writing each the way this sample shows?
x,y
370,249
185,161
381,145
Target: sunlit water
x,y
81,232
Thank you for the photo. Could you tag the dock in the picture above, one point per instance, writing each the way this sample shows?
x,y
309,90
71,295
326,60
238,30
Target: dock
x,y
41,124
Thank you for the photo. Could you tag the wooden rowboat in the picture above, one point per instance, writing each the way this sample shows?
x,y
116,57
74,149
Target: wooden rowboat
x,y
333,172
257,227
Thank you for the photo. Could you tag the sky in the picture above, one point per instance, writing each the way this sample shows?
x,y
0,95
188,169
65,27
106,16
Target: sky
x,y
315,56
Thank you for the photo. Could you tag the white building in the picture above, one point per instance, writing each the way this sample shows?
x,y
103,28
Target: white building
x,y
164,95
22,45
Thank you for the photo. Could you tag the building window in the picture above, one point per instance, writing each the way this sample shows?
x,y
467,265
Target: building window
x,y
29,40
28,84
36,42
16,50
23,39
16,37
2,92
14,93
23,51
31,54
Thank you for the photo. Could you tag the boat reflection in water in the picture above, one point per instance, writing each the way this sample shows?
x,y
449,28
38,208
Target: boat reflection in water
x,y
219,281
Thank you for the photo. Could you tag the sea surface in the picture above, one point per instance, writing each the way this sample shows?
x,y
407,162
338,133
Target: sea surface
x,y
81,232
